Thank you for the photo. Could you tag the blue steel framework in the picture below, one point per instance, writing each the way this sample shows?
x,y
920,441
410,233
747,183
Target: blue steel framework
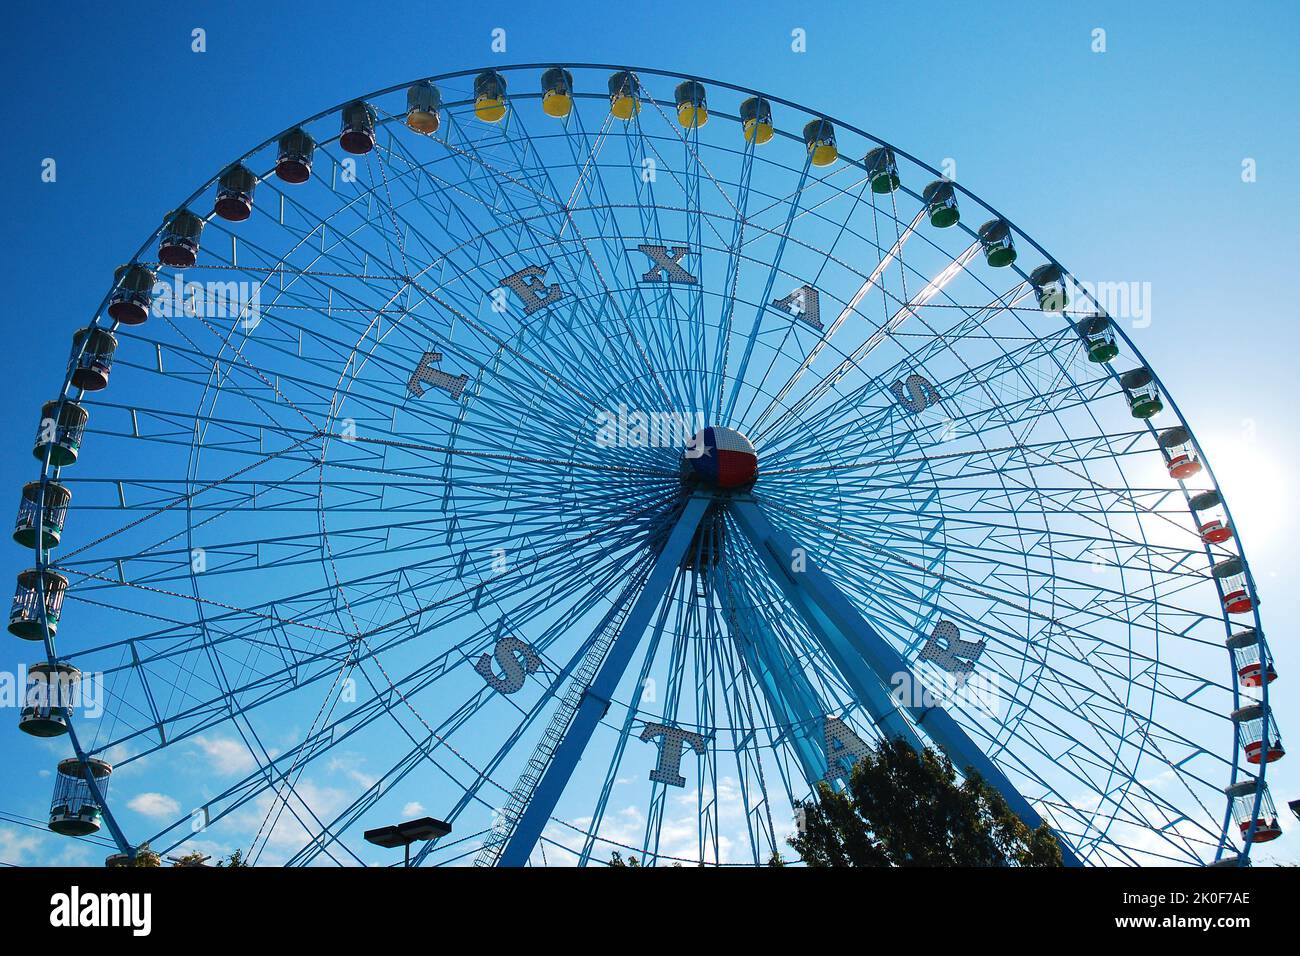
x,y
1001,497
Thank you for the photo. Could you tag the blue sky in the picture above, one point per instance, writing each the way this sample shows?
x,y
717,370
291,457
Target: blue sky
x,y
1125,164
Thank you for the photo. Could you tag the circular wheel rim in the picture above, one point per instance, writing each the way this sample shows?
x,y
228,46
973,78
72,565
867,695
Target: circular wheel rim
x,y
48,472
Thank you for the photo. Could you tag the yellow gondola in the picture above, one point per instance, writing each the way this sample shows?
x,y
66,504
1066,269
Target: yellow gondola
x,y
756,116
624,95
819,137
422,104
490,96
692,104
557,92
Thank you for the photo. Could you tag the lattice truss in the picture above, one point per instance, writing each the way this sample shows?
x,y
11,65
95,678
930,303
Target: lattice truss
x,y
300,533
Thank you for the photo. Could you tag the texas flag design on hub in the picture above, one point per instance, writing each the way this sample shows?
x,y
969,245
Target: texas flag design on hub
x,y
723,457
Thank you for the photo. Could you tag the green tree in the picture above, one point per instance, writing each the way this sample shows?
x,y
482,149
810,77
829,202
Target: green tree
x,y
904,808
235,859
190,859
143,857
616,859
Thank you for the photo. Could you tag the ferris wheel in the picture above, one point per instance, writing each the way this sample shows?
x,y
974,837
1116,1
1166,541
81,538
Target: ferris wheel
x,y
598,458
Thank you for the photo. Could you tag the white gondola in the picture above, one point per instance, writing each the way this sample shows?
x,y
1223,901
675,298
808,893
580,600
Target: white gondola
x,y
1211,517
1233,587
44,508
25,618
1181,458
1247,657
47,704
1242,795
75,810
59,434
1258,734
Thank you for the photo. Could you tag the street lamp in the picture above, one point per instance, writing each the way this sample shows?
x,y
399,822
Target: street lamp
x,y
404,834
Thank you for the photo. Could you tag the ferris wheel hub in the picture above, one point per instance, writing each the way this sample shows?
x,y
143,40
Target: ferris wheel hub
x,y
720,458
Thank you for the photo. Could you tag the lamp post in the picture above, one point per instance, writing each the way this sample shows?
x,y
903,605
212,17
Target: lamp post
x,y
404,834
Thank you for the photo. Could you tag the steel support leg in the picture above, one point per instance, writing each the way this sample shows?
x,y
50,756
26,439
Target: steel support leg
x,y
597,697
792,701
852,642
778,553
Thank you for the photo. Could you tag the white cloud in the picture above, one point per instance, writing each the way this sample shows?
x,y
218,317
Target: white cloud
x,y
155,805
43,848
349,765
228,755
288,833
15,846
413,809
